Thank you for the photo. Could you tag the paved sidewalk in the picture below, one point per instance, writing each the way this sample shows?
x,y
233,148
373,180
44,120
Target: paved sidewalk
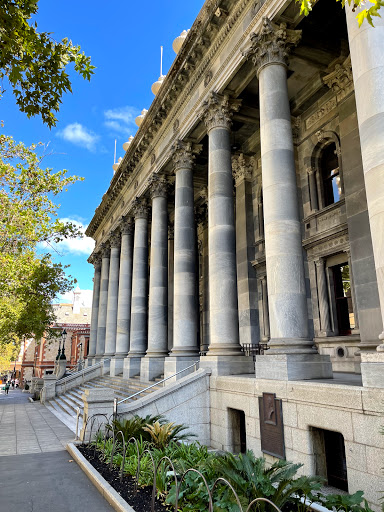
x,y
36,472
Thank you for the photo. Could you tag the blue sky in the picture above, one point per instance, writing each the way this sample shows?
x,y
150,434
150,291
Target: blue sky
x,y
123,39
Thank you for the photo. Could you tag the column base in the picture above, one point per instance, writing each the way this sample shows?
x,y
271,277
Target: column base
x,y
151,367
117,365
228,365
131,366
372,369
293,367
88,362
174,364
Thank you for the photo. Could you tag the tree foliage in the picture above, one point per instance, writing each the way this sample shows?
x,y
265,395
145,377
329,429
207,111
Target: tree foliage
x,y
28,219
365,14
34,63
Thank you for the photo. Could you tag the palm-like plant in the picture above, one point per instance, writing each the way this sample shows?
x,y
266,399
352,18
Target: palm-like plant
x,y
134,427
163,434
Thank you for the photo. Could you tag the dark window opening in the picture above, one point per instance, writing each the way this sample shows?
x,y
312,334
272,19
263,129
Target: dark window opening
x,y
238,430
330,460
330,173
343,299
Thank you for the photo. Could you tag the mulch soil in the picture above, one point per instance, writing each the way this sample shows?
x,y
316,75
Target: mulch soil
x,y
140,501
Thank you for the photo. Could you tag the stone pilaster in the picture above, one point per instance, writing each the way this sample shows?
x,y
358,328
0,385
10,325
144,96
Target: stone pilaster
x,y
139,304
185,347
313,189
113,291
292,354
322,293
103,302
246,278
224,346
170,284
95,259
125,294
152,365
264,298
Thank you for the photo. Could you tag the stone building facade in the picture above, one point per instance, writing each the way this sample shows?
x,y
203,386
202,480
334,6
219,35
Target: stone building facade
x,y
248,209
38,356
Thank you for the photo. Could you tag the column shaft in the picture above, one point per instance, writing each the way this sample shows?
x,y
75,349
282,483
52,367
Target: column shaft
x,y
95,310
103,302
264,299
113,291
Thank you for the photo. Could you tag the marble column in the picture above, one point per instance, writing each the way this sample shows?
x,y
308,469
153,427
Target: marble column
x,y
96,260
103,302
224,355
292,354
113,291
170,284
323,297
152,365
366,44
139,304
264,298
124,299
185,344
245,251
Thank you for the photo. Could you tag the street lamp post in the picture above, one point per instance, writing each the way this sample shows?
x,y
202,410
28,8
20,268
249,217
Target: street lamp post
x,y
63,336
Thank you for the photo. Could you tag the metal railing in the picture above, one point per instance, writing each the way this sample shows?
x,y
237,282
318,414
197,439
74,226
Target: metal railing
x,y
118,402
84,371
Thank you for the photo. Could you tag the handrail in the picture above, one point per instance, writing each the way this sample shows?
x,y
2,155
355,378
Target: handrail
x,y
156,384
84,371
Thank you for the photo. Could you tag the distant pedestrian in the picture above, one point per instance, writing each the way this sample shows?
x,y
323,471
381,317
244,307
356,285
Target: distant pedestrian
x,y
7,385
13,384
17,383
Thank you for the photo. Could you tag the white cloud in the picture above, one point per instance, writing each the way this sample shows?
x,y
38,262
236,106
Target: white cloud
x,y
79,135
73,246
77,246
121,119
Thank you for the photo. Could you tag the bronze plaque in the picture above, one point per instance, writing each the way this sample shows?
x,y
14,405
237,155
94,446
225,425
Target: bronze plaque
x,y
271,425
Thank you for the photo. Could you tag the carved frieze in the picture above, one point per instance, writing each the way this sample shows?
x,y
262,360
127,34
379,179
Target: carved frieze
x,y
319,114
272,44
242,168
217,111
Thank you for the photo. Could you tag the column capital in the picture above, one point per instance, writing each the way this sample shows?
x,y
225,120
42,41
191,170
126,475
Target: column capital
x,y
242,168
272,44
95,260
319,262
140,208
184,153
126,225
217,111
105,250
158,186
310,171
114,239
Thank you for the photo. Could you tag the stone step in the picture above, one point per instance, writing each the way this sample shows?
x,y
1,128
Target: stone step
x,y
63,404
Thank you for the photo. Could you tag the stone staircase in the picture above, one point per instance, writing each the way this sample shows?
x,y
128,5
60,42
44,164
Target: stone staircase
x,y
65,406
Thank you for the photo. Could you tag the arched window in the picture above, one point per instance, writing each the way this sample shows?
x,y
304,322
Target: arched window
x,y
330,174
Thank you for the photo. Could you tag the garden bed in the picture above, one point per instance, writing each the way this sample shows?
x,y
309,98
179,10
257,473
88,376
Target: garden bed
x,y
141,500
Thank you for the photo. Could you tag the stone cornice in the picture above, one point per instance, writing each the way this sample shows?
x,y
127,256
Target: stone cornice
x,y
272,44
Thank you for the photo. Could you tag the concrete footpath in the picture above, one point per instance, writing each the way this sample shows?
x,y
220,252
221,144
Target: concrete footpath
x,y
36,472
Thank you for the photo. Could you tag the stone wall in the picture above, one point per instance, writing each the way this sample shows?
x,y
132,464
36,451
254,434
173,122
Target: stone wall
x,y
355,412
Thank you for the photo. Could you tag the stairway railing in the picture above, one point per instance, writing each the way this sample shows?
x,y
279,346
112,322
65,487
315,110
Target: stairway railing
x,y
116,402
80,377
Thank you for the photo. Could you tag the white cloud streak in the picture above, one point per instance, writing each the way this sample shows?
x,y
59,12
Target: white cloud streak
x,y
121,119
73,246
79,135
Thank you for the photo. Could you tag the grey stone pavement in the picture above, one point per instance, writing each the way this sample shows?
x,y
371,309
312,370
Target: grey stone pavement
x,y
36,472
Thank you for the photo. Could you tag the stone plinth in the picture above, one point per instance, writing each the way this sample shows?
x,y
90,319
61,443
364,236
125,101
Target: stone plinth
x,y
49,388
131,366
227,365
372,369
117,365
96,401
293,367
175,364
151,367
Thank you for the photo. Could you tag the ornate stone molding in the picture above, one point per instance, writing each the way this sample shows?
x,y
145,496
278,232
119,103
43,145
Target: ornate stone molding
x,y
321,112
126,225
140,208
184,153
115,239
95,260
272,44
341,79
217,111
158,186
242,168
310,171
105,250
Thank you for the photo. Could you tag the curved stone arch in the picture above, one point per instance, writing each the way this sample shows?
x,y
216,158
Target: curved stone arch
x,y
325,138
